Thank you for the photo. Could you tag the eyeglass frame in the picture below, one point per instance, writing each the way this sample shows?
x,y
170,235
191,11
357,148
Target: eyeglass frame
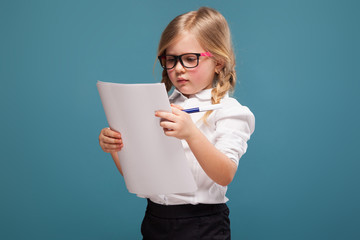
x,y
178,58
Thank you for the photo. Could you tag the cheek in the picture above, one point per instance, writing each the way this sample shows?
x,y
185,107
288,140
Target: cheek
x,y
203,75
171,75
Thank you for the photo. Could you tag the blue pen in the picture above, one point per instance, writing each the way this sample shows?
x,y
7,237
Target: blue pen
x,y
203,108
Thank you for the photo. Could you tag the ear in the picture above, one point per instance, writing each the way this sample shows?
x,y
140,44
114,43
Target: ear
x,y
219,66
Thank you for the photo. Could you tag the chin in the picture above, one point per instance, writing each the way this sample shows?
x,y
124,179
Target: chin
x,y
185,91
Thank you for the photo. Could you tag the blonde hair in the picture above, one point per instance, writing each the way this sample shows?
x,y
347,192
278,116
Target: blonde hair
x,y
212,32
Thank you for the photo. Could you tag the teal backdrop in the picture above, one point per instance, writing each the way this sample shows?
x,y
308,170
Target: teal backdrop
x,y
298,71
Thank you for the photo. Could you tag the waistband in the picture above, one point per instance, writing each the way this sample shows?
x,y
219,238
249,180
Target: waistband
x,y
184,210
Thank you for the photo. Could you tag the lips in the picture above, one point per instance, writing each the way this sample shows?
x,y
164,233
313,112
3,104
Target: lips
x,y
181,80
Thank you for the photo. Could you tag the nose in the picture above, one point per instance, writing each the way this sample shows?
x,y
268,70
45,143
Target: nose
x,y
179,67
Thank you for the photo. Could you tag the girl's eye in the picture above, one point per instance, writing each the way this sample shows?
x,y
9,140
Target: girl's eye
x,y
170,60
190,59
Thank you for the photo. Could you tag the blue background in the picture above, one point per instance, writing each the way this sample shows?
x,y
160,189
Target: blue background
x,y
298,71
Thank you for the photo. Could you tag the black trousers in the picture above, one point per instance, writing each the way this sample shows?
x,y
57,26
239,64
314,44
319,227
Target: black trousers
x,y
186,222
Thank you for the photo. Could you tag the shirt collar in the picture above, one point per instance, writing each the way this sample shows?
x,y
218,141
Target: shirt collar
x,y
202,95
175,94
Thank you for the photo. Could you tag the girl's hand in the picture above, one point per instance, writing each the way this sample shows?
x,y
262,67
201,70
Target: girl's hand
x,y
110,140
177,123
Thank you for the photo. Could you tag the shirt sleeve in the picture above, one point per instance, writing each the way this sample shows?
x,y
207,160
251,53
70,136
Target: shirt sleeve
x,y
233,127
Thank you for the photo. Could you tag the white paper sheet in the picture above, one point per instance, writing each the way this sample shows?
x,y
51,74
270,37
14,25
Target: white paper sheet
x,y
152,163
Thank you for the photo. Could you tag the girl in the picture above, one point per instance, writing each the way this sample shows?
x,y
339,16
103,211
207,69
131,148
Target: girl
x,y
196,53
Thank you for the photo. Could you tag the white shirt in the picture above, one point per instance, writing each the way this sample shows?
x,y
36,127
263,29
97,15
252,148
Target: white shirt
x,y
228,129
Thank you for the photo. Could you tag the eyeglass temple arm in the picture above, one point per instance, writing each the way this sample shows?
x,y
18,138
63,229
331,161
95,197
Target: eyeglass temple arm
x,y
206,54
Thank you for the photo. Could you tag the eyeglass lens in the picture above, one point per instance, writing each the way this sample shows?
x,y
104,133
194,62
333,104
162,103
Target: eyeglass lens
x,y
187,60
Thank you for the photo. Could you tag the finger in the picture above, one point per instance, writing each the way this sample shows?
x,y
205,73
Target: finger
x,y
177,111
177,106
111,133
111,140
169,132
112,147
112,150
165,115
168,125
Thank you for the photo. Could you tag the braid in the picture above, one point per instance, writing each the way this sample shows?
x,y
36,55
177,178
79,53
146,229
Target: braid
x,y
226,81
